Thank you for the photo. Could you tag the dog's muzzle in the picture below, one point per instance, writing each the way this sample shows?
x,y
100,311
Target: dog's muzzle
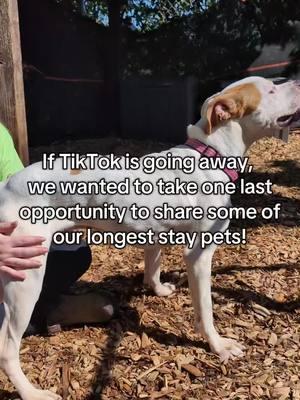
x,y
292,122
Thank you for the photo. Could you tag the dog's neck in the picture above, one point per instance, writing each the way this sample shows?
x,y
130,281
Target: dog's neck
x,y
227,139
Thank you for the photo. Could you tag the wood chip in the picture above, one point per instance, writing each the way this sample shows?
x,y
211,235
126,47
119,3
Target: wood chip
x,y
264,312
143,374
281,393
272,339
136,356
192,369
65,380
156,360
145,342
162,393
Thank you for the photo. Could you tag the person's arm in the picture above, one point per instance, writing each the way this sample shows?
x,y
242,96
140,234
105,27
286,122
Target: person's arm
x,y
10,162
18,253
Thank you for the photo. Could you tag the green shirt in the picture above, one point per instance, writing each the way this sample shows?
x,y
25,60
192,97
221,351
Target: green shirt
x,y
10,162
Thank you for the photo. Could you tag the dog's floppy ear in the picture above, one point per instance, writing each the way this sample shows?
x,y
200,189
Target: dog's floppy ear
x,y
233,103
221,108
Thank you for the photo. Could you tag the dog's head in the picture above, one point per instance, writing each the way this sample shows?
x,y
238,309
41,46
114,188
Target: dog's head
x,y
254,102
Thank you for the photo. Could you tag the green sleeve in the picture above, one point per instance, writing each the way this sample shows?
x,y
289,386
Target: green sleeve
x,y
10,162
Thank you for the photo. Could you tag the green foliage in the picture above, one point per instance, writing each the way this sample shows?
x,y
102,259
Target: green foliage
x,y
147,15
142,15
151,14
212,38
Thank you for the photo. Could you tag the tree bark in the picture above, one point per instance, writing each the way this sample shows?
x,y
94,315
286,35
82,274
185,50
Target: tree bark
x,y
12,102
114,15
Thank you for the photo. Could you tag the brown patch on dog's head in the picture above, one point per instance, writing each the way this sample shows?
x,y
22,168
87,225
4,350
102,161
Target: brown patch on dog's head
x,y
75,171
233,103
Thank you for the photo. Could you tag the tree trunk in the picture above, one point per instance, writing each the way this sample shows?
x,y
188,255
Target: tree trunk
x,y
12,103
82,8
114,64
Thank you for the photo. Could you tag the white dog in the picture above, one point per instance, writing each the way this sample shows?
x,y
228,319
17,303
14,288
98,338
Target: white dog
x,y
230,122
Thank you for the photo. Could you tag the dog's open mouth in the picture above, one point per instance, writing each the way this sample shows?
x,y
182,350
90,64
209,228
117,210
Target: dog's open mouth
x,y
287,120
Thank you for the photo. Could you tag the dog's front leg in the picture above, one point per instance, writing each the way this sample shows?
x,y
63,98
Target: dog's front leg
x,y
152,272
199,276
19,300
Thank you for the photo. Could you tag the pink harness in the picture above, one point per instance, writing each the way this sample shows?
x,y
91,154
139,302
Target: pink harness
x,y
209,151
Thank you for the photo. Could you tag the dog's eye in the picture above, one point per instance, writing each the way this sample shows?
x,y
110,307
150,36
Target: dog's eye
x,y
272,91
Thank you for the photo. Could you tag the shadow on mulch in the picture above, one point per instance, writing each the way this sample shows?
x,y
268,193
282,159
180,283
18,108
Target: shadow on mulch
x,y
289,212
7,395
127,318
274,267
289,175
245,296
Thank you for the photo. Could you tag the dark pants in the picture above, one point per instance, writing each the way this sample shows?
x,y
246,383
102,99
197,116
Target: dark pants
x,y
65,265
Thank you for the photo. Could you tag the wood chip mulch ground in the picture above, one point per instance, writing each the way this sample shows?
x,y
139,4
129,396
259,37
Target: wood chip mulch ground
x,y
150,351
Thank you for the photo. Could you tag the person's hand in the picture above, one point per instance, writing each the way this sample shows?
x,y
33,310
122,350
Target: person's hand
x,y
17,253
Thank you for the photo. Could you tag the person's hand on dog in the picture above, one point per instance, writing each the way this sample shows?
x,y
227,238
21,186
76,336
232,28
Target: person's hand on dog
x,y
18,253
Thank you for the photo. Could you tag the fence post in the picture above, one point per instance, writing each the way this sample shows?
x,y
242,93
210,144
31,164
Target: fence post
x,y
12,102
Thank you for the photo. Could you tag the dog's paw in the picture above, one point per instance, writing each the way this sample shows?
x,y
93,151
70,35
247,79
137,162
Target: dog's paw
x,y
228,349
41,395
164,289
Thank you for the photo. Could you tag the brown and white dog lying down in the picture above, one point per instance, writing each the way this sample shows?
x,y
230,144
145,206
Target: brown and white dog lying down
x,y
230,122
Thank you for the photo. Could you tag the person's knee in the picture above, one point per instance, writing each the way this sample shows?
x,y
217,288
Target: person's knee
x,y
84,260
78,256
65,265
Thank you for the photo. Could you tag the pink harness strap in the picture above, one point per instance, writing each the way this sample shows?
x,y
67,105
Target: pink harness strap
x,y
209,151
